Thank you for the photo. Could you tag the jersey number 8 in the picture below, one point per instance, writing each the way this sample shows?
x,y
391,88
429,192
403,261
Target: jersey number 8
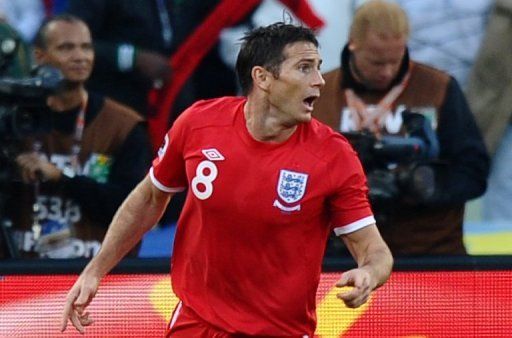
x,y
206,173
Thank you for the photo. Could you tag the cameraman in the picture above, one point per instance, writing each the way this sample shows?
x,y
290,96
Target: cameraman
x,y
77,175
370,92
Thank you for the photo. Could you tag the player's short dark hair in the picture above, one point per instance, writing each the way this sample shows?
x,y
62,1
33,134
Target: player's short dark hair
x,y
41,39
264,47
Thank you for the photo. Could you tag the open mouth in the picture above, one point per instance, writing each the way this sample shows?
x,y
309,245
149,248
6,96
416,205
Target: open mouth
x,y
309,101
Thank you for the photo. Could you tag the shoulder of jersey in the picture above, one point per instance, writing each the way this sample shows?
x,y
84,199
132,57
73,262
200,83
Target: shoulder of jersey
x,y
328,140
323,133
218,111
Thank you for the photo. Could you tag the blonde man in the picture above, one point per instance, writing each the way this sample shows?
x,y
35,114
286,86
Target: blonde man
x,y
379,90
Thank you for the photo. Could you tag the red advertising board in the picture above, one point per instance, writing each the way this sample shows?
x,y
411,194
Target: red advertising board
x,y
412,304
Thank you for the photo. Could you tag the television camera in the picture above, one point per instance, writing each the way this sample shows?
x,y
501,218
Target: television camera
x,y
23,113
23,109
398,166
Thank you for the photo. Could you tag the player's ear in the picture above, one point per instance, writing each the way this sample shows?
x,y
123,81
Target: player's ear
x,y
261,77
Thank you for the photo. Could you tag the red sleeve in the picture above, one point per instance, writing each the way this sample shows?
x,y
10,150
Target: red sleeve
x,y
168,170
349,205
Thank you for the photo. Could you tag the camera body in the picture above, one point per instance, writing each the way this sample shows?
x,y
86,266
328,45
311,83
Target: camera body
x,y
398,166
23,107
23,113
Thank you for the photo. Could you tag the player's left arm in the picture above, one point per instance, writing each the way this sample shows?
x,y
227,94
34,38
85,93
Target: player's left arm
x,y
374,264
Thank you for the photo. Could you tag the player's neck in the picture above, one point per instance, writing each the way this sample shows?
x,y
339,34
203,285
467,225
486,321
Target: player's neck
x,y
264,125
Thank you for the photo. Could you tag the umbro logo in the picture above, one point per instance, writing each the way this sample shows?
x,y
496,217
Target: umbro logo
x,y
213,154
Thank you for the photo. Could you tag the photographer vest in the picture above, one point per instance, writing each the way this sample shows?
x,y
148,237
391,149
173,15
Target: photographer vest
x,y
411,229
68,231
423,93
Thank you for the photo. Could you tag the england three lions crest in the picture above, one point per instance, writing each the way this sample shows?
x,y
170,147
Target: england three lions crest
x,y
291,187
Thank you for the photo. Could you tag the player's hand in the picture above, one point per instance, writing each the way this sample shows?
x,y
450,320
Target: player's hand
x,y
35,167
77,300
362,286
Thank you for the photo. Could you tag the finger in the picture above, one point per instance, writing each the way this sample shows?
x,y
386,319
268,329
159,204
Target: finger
x,y
345,280
363,298
29,172
349,295
27,169
352,304
354,278
23,158
27,158
361,281
355,298
353,293
24,165
76,322
82,300
349,278
349,298
85,320
64,320
68,309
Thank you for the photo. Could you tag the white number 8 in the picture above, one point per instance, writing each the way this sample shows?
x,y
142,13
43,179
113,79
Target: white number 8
x,y
205,180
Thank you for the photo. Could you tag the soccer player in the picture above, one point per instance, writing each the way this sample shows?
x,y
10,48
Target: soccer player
x,y
267,183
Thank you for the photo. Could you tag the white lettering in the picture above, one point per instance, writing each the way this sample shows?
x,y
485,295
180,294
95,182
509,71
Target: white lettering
x,y
56,209
392,124
347,123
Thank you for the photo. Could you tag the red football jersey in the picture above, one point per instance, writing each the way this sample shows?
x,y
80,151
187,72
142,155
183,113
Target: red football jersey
x,y
251,237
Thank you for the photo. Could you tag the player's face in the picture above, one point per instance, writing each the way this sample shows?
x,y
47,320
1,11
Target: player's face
x,y
294,92
376,60
68,48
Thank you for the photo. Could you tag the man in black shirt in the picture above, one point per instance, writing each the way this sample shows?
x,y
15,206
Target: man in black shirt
x,y
75,176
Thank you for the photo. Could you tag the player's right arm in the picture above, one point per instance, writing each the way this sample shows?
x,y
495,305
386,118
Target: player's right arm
x,y
374,261
141,210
